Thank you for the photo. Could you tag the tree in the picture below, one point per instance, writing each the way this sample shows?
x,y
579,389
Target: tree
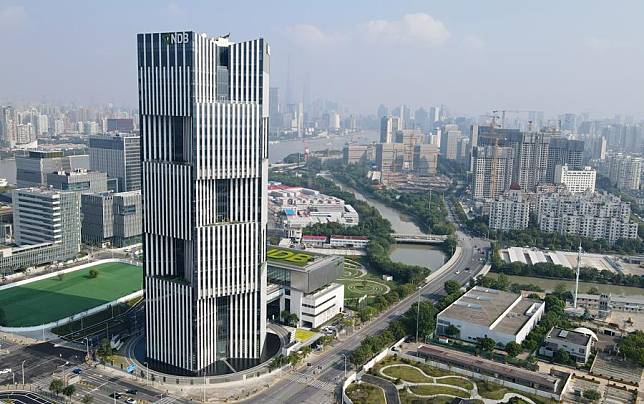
x,y
632,347
451,286
562,356
69,390
560,289
487,344
502,282
452,330
426,319
56,386
289,318
513,349
592,395
3,318
593,291
87,399
93,273
104,350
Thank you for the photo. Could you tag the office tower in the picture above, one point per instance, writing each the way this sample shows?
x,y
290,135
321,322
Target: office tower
x,y
8,125
59,126
408,138
118,155
592,215
275,120
510,211
449,141
435,137
205,168
576,181
425,160
382,111
42,126
463,151
295,120
24,133
492,173
32,169
421,119
79,180
120,125
625,170
112,217
388,127
334,121
390,159
562,151
474,139
568,122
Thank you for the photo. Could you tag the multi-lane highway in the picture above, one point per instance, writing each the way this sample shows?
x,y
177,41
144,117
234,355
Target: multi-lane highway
x,y
310,385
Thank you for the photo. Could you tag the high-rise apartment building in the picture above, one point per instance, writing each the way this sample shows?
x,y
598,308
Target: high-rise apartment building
x,y
510,211
8,124
450,137
389,125
533,160
118,155
625,171
562,151
425,160
204,112
492,170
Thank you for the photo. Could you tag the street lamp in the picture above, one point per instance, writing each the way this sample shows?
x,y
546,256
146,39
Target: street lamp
x,y
345,365
417,318
23,372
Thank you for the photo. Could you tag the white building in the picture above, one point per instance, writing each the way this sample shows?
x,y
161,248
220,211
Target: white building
x,y
510,211
348,241
592,215
625,170
577,344
576,181
300,207
204,111
488,313
307,283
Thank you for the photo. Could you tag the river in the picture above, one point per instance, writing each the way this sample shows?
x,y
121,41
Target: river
x,y
421,255
277,150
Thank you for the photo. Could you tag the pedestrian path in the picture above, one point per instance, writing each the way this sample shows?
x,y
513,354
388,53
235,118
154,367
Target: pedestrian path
x,y
310,380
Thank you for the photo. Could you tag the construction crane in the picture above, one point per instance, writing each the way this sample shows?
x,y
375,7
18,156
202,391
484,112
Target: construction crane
x,y
503,111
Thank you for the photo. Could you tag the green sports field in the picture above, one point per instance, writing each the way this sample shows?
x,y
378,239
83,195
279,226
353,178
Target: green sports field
x,y
51,299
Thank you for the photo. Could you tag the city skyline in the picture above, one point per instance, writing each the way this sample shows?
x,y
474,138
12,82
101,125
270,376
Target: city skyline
x,y
454,54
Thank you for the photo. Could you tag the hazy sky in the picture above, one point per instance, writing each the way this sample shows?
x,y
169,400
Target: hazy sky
x,y
474,56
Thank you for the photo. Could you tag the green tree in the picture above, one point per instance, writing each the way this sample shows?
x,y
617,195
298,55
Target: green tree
x,y
592,395
93,273
513,349
69,390
632,347
502,282
487,344
451,286
104,351
593,291
452,331
426,319
56,386
87,399
560,289
562,356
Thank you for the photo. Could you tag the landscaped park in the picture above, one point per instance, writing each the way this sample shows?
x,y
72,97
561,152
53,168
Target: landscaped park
x,y
63,295
358,282
419,382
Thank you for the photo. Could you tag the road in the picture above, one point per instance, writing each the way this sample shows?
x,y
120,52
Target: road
x,y
23,397
307,386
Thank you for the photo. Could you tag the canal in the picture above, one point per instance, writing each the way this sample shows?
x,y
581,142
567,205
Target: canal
x,y
421,255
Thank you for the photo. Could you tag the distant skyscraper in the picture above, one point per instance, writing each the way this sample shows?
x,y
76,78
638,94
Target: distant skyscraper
x,y
388,127
205,168
625,171
492,172
120,125
119,156
562,151
382,111
275,121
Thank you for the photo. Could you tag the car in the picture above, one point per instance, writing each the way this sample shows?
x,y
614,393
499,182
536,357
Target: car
x,y
467,269
130,401
458,272
132,391
77,371
116,395
5,371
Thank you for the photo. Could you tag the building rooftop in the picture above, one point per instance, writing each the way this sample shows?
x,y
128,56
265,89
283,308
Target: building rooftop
x,y
293,258
503,311
560,335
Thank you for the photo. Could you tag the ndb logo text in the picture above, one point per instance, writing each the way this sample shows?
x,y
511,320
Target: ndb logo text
x,y
175,38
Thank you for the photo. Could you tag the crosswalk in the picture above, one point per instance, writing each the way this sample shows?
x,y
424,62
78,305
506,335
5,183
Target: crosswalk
x,y
310,380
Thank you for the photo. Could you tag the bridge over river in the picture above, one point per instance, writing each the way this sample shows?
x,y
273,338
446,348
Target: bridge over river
x,y
419,238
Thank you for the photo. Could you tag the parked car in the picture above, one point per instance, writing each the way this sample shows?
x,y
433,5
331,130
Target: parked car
x,y
5,371
77,371
132,391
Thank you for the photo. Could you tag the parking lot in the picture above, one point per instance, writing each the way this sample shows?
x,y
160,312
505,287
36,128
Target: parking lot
x,y
616,369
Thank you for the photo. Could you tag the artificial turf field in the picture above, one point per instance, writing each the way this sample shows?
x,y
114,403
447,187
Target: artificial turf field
x,y
51,299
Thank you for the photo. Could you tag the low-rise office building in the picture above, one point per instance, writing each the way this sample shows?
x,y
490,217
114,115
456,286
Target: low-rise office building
x,y
489,313
577,344
308,287
606,303
79,180
348,241
576,181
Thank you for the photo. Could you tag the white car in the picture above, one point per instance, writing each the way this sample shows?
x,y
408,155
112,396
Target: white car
x,y
4,371
130,401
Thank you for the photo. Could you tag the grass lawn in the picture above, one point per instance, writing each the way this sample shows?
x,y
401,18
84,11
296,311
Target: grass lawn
x,y
431,390
365,393
407,374
51,299
303,335
456,381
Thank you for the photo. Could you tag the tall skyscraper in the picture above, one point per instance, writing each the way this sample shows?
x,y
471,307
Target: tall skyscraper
x,y
204,108
492,170
562,151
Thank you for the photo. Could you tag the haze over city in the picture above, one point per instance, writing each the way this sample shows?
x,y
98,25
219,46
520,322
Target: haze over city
x,y
553,56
